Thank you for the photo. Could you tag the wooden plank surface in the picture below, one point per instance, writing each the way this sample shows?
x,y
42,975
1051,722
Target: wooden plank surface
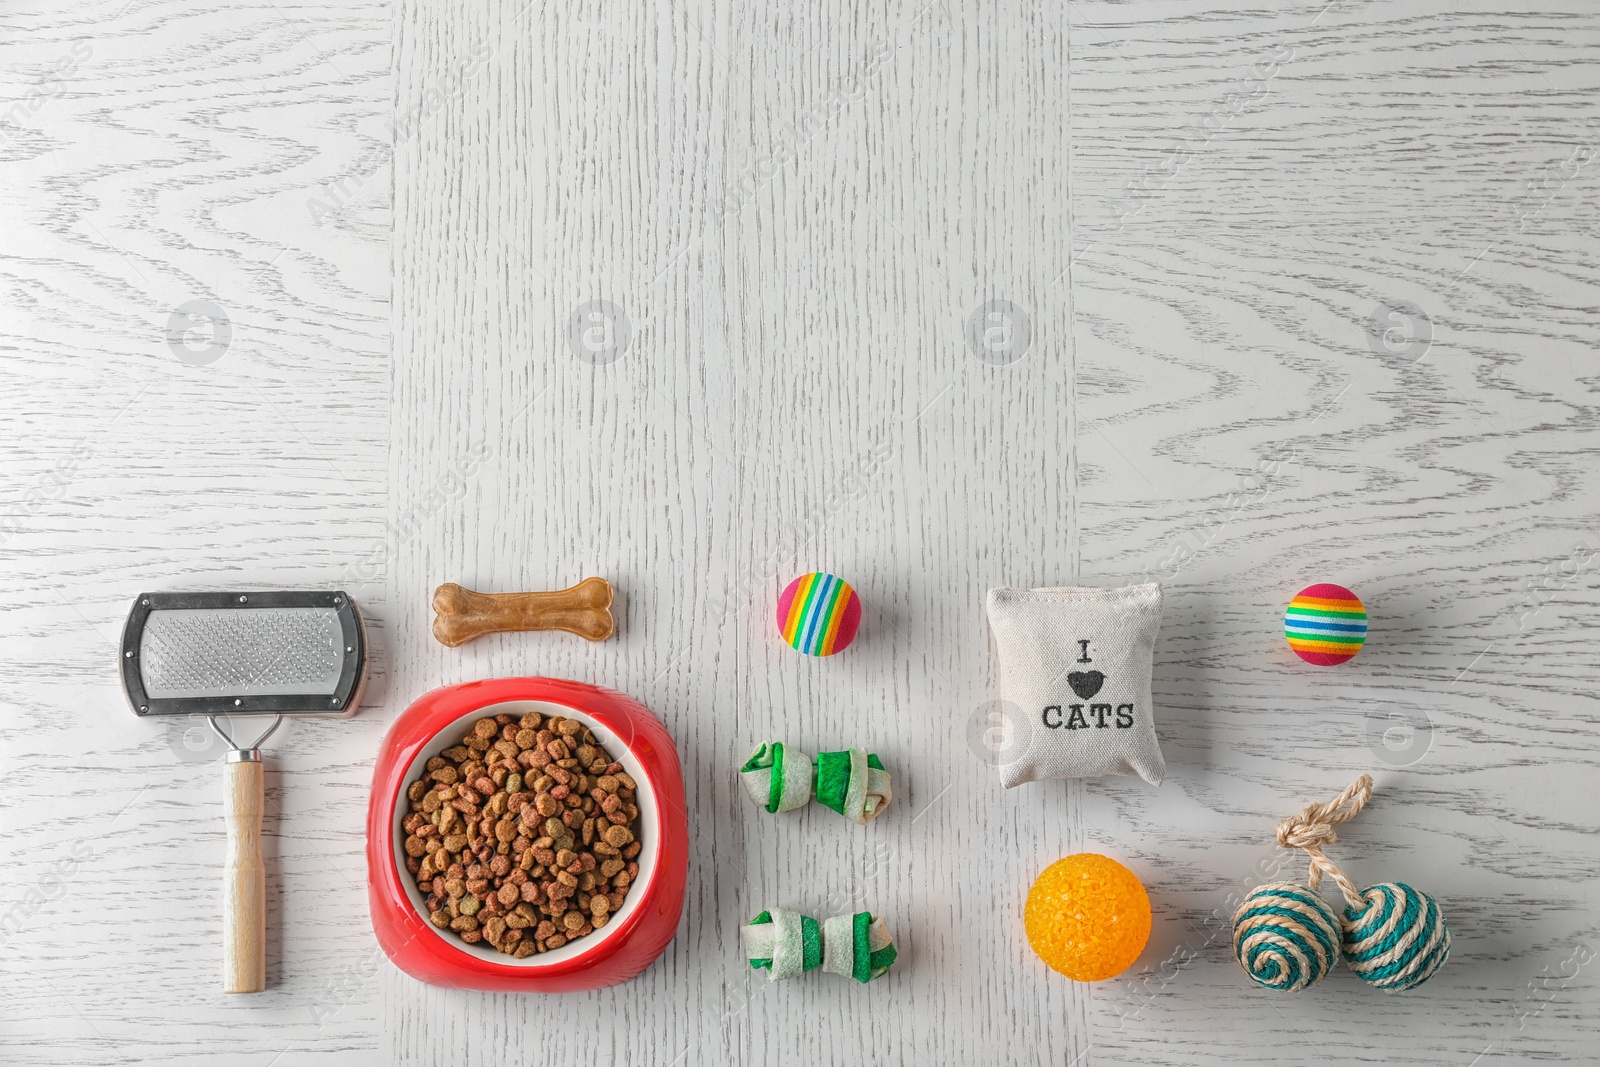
x,y
1252,192
165,155
697,297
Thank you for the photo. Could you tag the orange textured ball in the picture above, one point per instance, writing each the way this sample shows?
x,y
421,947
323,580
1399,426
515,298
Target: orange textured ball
x,y
1087,916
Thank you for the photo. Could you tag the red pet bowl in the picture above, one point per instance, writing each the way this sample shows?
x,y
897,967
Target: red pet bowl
x,y
640,929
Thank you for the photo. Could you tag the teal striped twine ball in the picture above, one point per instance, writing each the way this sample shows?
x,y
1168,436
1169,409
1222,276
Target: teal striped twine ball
x,y
1286,936
1397,939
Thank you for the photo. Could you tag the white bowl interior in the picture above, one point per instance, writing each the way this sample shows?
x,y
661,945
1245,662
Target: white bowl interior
x,y
649,831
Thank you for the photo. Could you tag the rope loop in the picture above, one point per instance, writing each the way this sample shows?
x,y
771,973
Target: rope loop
x,y
1312,829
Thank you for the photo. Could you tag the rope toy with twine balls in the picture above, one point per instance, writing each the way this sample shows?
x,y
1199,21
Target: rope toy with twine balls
x,y
1286,936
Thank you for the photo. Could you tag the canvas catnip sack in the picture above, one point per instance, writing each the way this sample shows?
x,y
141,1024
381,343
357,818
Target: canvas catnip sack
x,y
1075,666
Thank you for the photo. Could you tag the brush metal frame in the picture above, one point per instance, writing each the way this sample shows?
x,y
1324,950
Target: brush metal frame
x,y
238,753
341,701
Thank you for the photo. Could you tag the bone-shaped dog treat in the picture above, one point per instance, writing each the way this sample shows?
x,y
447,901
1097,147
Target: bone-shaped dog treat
x,y
585,610
785,944
852,783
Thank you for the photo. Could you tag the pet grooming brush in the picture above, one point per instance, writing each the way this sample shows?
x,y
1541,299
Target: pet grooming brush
x,y
244,654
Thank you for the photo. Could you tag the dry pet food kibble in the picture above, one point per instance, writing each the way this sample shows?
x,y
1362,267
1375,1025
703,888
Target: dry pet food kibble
x,y
524,835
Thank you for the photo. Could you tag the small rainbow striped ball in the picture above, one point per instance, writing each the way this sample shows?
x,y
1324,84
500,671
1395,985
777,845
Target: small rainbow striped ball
x,y
1398,940
1286,936
818,614
1325,624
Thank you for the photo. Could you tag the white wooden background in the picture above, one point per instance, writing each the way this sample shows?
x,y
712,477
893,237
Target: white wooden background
x,y
786,218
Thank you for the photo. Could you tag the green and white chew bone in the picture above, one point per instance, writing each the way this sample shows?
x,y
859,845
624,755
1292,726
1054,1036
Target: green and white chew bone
x,y
853,783
786,943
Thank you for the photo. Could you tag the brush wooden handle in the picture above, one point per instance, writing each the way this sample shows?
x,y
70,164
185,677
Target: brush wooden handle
x,y
244,882
585,610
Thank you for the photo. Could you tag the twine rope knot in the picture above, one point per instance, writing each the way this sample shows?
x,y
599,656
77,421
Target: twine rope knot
x,y
1312,829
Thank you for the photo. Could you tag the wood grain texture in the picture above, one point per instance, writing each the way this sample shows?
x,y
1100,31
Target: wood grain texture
x,y
244,880
791,215
1250,188
699,296
171,159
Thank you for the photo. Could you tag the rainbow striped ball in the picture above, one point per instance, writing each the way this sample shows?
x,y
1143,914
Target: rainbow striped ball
x,y
818,614
1398,940
1325,624
1286,936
